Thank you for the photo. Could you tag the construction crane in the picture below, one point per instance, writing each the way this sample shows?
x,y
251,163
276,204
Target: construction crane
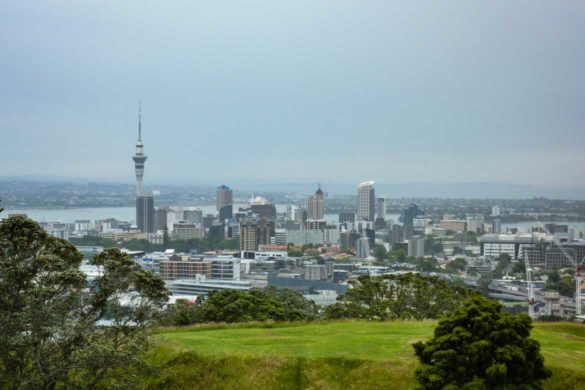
x,y
579,273
530,290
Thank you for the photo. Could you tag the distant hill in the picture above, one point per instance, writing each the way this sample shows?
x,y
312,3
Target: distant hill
x,y
473,190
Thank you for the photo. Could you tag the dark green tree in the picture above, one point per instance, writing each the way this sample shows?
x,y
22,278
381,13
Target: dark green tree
x,y
242,306
181,313
519,267
504,261
397,255
406,296
380,252
51,316
432,245
166,239
428,264
567,286
293,251
483,286
456,265
480,347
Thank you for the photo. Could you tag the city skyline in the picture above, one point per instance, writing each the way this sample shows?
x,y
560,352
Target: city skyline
x,y
457,90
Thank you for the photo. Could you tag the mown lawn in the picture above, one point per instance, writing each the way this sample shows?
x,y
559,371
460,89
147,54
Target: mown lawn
x,y
350,340
329,355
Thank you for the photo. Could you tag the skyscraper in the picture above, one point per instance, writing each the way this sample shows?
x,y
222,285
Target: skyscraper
x,y
496,226
363,247
193,215
366,201
145,213
409,214
345,216
315,205
381,208
249,236
224,202
225,196
139,158
160,218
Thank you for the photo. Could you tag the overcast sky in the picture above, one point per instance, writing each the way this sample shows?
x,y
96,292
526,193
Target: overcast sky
x,y
338,91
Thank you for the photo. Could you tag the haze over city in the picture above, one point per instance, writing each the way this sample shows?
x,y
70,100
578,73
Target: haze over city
x,y
370,194
298,92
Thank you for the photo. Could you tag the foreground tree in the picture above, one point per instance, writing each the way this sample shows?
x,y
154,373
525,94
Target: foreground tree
x,y
481,347
405,296
52,319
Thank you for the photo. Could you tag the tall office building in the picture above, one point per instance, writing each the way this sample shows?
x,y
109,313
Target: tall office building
x,y
226,212
225,196
496,226
315,205
346,217
409,214
160,218
496,211
265,231
416,246
292,212
224,202
145,213
366,201
381,208
267,211
193,215
362,247
248,236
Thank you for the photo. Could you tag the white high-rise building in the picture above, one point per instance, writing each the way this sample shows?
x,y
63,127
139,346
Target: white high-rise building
x,y
292,212
363,248
416,246
366,201
496,211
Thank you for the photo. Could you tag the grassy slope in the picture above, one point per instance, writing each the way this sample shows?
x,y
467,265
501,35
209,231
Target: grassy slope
x,y
336,355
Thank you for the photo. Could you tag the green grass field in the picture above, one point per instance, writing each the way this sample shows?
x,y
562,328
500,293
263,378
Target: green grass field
x,y
330,355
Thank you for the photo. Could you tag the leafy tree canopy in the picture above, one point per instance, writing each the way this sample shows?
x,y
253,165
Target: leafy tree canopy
x,y
398,254
406,296
242,306
456,265
480,347
51,317
380,252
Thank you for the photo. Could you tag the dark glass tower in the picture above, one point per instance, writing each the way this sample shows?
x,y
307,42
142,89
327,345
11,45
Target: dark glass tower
x,y
145,213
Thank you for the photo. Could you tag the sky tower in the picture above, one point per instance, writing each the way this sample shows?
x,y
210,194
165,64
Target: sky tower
x,y
139,158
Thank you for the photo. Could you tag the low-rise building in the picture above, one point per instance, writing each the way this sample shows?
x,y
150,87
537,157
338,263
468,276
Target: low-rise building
x,y
495,245
186,231
454,225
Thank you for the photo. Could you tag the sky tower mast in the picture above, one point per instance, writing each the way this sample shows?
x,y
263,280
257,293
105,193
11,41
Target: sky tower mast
x,y
139,158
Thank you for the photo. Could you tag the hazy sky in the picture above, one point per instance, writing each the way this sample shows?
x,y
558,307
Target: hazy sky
x,y
339,91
